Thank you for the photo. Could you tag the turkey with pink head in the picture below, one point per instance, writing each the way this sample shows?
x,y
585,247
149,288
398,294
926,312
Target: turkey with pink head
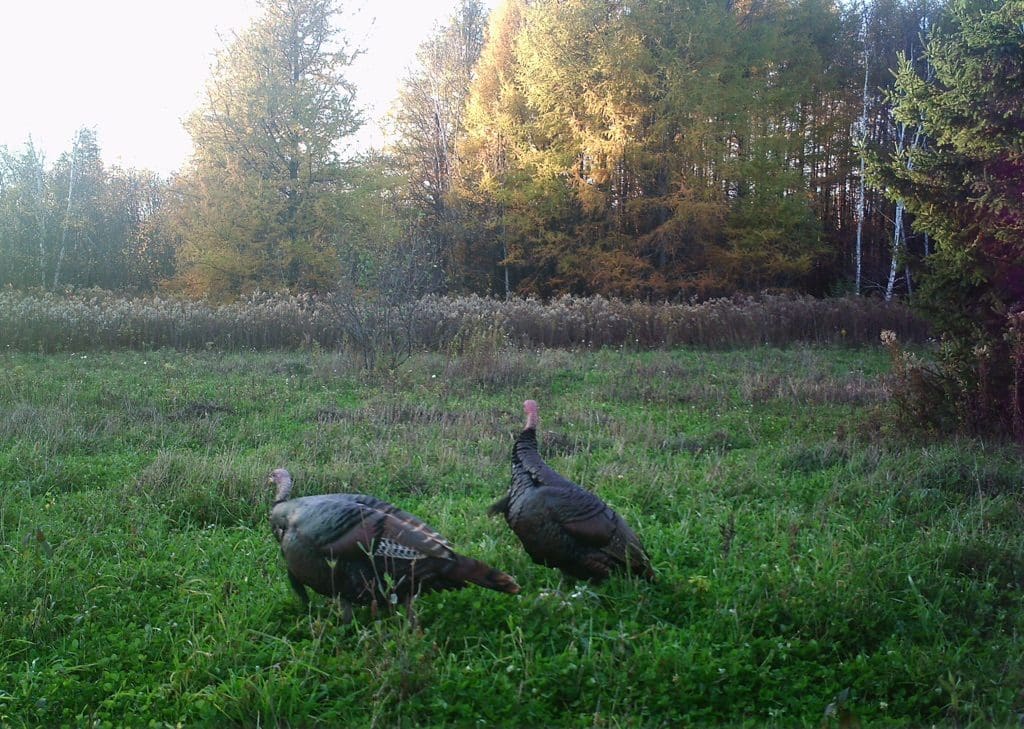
x,y
562,525
367,551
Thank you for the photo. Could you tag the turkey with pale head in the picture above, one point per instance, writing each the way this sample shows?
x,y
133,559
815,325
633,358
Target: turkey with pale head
x,y
366,551
562,525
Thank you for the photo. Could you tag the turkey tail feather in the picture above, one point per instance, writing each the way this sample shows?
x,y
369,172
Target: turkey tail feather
x,y
471,570
498,507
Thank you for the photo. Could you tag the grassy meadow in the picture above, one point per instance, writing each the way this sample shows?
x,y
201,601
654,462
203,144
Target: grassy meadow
x,y
816,567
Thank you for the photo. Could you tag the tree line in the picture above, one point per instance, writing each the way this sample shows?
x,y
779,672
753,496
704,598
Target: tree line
x,y
77,222
662,149
654,150
668,149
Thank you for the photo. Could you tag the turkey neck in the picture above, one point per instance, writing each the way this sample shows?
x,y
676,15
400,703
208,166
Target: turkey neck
x,y
530,408
524,461
284,490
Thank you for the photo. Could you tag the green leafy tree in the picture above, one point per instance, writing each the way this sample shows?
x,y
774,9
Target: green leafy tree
x,y
254,204
25,217
79,223
966,190
137,205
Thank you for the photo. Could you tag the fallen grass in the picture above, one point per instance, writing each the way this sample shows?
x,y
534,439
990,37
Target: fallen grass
x,y
809,568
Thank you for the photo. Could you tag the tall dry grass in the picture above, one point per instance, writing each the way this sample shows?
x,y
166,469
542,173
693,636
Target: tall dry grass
x,y
91,320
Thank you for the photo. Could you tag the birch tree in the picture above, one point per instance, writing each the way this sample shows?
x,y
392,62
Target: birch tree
x,y
861,135
899,236
429,120
62,246
85,253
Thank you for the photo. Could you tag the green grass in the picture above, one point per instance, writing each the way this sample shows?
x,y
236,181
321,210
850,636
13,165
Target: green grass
x,y
811,565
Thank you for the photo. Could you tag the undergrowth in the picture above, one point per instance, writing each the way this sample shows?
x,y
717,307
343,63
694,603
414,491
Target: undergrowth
x,y
375,333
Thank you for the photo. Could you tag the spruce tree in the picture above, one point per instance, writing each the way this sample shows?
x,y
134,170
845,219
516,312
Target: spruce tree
x,y
966,190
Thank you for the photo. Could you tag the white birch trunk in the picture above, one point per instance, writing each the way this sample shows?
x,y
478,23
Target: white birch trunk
x,y
40,212
897,232
862,138
897,241
899,236
67,215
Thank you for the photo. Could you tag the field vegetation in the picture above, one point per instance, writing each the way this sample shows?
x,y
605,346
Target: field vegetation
x,y
815,567
382,329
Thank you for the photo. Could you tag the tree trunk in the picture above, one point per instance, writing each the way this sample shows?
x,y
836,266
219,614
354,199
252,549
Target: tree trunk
x,y
67,215
862,132
504,254
897,242
40,211
899,236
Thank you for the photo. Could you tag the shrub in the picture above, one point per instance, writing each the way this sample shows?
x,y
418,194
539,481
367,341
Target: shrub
x,y
977,393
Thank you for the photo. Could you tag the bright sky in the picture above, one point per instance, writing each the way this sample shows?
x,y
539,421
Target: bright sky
x,y
133,69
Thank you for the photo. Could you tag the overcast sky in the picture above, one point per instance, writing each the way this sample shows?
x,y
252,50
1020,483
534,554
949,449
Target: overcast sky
x,y
133,69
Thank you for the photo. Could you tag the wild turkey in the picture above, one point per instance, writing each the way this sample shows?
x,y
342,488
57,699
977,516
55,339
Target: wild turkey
x,y
562,525
367,551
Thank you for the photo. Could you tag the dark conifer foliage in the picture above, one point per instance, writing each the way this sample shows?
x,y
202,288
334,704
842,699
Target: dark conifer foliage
x,y
966,190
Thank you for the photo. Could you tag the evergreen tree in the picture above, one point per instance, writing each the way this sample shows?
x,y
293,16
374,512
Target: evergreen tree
x,y
253,206
497,185
966,190
635,150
